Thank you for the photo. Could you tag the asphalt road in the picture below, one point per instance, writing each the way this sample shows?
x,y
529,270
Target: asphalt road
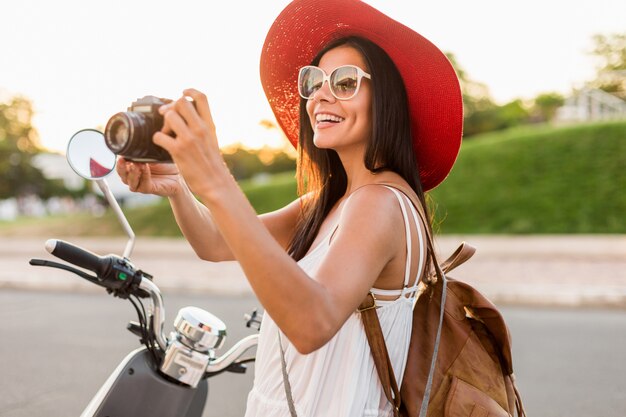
x,y
58,348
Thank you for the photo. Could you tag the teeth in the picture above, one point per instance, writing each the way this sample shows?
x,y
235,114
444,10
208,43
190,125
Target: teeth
x,y
328,117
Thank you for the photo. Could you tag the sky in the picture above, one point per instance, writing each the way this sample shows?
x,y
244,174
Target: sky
x,y
81,61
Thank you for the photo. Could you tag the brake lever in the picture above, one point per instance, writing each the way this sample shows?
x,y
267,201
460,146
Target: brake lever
x,y
52,264
253,320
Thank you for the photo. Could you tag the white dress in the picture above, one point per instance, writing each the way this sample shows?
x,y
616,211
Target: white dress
x,y
338,379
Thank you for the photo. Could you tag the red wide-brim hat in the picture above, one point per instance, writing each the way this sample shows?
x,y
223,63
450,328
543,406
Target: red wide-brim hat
x,y
304,27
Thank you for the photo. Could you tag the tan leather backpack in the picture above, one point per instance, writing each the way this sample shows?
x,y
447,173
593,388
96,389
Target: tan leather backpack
x,y
459,362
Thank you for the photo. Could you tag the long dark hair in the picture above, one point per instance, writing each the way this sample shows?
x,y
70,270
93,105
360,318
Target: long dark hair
x,y
320,171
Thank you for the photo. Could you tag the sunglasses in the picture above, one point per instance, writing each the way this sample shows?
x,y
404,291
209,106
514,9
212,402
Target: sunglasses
x,y
344,82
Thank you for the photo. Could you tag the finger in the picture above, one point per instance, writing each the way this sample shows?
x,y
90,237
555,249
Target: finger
x,y
146,176
167,129
162,110
162,168
176,122
166,107
165,141
187,111
134,176
125,167
202,106
121,167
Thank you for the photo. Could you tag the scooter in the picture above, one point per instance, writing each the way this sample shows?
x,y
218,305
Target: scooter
x,y
167,376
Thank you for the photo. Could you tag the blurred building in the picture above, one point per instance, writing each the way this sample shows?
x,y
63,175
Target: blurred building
x,y
591,104
55,167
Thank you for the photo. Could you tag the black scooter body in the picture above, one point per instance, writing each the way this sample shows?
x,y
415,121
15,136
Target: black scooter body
x,y
135,389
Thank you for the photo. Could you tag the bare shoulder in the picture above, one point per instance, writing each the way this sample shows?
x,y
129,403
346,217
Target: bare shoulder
x,y
372,209
371,196
366,238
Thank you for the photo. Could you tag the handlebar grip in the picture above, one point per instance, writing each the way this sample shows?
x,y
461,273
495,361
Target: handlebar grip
x,y
76,256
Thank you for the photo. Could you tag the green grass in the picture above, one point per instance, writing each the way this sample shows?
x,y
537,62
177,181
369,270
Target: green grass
x,y
538,180
532,179
279,191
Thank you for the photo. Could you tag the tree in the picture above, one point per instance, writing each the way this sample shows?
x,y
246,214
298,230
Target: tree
x,y
245,163
18,143
480,112
16,130
476,96
511,114
610,50
545,105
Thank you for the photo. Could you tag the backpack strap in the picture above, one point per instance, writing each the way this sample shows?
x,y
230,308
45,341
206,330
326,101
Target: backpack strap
x,y
518,398
378,347
459,257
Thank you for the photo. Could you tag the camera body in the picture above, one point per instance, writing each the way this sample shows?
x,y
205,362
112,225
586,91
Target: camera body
x,y
129,134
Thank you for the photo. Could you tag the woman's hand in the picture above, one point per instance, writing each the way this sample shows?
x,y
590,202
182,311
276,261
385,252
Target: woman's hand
x,y
154,178
194,149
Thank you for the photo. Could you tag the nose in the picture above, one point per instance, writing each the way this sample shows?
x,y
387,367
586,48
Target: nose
x,y
323,93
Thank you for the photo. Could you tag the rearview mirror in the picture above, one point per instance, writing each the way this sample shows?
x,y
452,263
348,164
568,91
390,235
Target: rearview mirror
x,y
89,156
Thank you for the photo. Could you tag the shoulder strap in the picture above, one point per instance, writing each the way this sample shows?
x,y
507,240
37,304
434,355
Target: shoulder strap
x,y
429,238
376,340
409,250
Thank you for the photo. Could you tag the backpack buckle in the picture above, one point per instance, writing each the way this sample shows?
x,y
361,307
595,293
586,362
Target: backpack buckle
x,y
372,306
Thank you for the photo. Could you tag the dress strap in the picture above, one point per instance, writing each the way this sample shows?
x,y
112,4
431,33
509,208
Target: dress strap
x,y
407,272
420,238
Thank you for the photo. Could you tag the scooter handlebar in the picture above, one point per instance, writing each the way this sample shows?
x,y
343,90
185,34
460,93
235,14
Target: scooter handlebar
x,y
77,256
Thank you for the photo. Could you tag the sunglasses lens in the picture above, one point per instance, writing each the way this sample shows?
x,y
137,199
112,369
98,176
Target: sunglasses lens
x,y
344,82
310,81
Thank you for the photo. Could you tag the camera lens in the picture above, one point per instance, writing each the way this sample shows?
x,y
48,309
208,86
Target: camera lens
x,y
118,132
129,134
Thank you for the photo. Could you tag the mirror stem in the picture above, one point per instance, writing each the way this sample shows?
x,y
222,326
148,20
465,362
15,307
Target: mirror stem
x,y
104,187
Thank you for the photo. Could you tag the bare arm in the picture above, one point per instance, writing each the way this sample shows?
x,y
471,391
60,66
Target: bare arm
x,y
198,226
193,218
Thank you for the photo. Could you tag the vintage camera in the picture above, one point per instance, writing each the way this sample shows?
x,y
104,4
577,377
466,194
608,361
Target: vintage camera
x,y
129,134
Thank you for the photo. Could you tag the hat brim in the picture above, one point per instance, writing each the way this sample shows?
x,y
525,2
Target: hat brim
x,y
304,27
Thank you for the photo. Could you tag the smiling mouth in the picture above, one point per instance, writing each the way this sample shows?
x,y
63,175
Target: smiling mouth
x,y
328,118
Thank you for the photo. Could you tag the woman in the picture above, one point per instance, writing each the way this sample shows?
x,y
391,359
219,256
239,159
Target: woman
x,y
378,104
